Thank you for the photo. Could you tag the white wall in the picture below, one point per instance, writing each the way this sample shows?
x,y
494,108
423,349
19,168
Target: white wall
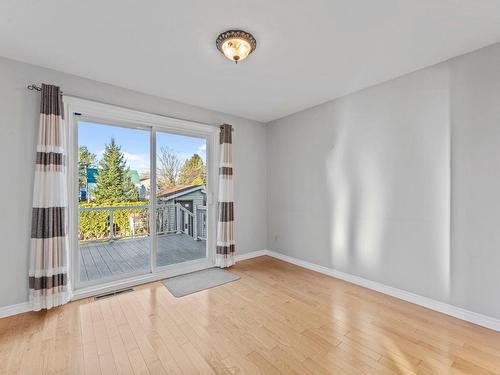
x,y
363,184
18,125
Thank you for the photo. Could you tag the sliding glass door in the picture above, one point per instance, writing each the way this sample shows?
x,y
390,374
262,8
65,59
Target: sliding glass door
x,y
114,203
142,200
180,199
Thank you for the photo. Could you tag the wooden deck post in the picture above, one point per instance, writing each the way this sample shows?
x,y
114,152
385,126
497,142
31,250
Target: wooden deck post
x,y
178,219
195,222
111,229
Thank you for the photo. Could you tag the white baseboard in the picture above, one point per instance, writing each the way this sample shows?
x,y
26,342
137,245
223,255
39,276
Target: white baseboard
x,y
445,308
251,254
19,308
457,312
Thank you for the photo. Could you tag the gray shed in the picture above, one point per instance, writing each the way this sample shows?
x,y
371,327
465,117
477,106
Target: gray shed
x,y
182,209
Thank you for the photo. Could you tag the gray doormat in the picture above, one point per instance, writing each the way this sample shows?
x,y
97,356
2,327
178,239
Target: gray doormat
x,y
193,282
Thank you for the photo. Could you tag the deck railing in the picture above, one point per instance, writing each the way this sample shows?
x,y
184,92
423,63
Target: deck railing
x,y
116,222
200,214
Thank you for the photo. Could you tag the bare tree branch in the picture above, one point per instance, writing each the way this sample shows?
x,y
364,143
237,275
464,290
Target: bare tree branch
x,y
168,168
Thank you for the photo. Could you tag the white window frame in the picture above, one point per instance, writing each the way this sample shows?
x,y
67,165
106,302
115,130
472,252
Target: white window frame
x,y
75,109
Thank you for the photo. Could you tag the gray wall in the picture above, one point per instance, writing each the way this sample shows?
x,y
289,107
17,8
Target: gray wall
x,y
18,125
475,182
398,183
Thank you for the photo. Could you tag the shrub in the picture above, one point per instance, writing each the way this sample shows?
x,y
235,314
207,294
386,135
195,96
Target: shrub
x,y
94,225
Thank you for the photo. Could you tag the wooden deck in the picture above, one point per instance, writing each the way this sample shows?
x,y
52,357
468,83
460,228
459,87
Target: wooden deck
x,y
104,259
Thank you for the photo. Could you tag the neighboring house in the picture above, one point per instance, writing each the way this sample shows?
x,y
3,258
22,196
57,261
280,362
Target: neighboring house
x,y
188,196
134,176
136,180
86,194
193,200
146,184
180,209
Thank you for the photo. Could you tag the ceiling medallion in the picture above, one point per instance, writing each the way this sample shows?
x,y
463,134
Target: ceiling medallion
x,y
236,45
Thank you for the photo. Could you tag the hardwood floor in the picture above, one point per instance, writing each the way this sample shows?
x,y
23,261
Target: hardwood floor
x,y
277,319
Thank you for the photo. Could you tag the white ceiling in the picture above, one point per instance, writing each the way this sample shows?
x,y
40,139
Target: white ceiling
x,y
308,51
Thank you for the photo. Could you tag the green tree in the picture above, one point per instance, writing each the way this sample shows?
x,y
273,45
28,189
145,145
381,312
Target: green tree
x,y
86,159
113,180
193,171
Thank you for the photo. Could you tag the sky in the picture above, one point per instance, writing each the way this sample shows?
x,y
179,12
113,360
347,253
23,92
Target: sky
x,y
134,143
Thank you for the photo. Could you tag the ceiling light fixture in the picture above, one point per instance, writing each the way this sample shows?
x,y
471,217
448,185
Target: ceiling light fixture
x,y
236,45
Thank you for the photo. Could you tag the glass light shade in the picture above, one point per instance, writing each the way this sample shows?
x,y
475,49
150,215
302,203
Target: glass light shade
x,y
236,45
236,49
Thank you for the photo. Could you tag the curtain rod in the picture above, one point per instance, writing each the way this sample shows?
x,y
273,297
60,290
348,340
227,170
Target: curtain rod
x,y
34,87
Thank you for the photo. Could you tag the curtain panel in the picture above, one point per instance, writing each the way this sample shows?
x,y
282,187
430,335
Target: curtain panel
x,y
224,255
48,272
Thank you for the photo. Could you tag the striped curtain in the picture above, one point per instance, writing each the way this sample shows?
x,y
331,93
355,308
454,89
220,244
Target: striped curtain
x,y
224,256
48,273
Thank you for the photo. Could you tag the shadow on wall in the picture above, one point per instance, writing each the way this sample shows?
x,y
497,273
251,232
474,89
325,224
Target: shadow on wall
x,y
387,177
356,205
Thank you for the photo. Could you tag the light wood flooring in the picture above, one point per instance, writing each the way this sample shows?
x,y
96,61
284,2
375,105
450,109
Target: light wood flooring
x,y
277,319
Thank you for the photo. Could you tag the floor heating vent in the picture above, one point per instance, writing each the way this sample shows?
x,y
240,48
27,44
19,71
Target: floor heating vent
x,y
112,294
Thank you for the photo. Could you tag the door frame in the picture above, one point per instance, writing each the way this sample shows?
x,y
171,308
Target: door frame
x,y
76,107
